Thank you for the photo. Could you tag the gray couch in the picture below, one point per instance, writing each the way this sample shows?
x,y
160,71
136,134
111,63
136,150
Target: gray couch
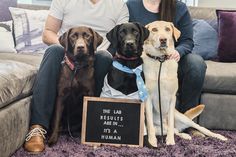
x,y
18,75
219,90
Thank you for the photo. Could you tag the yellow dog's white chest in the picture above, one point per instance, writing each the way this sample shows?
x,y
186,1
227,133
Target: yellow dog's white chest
x,y
168,75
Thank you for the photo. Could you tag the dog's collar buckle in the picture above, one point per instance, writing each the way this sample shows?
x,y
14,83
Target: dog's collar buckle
x,y
161,59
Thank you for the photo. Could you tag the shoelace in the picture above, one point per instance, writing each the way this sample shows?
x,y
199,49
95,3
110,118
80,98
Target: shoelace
x,y
36,132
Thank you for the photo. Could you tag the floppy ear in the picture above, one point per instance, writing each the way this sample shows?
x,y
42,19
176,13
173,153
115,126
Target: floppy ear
x,y
147,26
143,30
112,36
176,32
64,39
97,39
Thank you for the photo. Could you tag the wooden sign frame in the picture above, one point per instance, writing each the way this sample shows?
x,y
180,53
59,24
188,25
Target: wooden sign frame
x,y
112,100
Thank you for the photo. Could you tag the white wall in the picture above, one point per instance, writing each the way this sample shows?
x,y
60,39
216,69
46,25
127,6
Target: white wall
x,y
217,3
24,1
40,2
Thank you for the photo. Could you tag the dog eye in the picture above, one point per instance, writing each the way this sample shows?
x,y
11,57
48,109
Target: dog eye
x,y
154,30
86,35
167,29
73,36
135,32
122,33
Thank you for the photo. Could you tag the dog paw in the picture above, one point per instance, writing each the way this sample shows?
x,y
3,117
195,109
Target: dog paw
x,y
185,136
152,141
197,133
52,140
170,140
221,137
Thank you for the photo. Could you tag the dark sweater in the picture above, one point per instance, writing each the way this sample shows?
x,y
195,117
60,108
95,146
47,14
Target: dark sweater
x,y
182,21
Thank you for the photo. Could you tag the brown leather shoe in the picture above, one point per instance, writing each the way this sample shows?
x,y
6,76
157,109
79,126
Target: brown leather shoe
x,y
34,141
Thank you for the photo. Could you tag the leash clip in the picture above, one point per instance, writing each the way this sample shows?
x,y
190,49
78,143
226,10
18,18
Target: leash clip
x,y
162,59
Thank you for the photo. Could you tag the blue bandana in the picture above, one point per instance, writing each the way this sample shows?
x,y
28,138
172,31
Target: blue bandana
x,y
139,80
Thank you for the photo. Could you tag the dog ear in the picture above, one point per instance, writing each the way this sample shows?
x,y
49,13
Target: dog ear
x,y
143,30
64,39
176,32
112,36
97,39
147,26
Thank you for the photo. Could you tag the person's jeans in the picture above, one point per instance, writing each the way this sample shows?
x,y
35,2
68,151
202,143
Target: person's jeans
x,y
45,87
191,74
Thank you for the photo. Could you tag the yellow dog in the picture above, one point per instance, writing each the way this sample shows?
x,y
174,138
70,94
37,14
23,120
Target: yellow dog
x,y
159,45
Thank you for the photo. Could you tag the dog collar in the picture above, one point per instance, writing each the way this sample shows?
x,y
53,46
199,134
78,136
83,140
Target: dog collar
x,y
142,90
74,66
125,58
69,63
159,58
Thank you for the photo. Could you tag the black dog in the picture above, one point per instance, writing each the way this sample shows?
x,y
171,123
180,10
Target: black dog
x,y
128,40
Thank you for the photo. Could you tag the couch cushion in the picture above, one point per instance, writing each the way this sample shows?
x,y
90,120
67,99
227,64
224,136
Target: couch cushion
x,y
16,80
220,78
14,122
33,60
219,112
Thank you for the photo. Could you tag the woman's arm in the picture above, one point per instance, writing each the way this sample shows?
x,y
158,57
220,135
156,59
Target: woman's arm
x,y
52,26
184,23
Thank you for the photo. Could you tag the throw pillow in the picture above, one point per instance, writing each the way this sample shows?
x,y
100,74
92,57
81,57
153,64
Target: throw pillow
x,y
227,35
6,38
5,14
28,28
205,39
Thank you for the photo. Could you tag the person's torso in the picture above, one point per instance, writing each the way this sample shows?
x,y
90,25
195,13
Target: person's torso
x,y
101,16
138,13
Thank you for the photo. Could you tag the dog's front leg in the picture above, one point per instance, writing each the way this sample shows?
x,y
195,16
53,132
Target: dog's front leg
x,y
170,131
150,125
91,91
56,122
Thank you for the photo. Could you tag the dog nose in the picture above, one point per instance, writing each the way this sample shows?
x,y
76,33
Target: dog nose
x,y
80,47
130,43
163,40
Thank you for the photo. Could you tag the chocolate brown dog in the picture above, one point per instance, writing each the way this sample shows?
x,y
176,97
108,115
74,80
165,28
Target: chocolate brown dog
x,y
77,74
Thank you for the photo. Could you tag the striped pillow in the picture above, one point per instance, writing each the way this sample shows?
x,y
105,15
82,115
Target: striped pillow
x,y
28,28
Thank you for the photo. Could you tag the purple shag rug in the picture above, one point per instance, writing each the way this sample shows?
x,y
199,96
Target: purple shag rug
x,y
197,147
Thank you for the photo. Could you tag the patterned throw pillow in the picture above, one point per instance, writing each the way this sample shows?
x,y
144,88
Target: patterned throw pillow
x,y
28,28
6,38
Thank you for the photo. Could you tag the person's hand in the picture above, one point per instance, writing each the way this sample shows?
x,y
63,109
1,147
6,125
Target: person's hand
x,y
175,55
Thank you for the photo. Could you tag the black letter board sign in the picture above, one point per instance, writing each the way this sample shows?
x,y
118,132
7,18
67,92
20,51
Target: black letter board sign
x,y
111,121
